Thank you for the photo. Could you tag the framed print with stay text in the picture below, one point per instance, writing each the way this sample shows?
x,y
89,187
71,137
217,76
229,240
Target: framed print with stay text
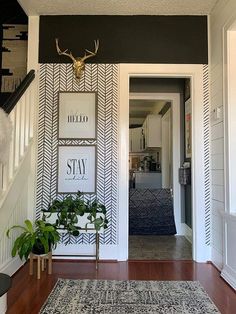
x,y
76,169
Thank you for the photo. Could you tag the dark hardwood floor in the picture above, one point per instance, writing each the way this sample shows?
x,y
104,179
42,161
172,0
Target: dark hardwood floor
x,y
28,294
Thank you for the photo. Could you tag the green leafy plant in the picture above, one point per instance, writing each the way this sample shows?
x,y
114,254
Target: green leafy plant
x,y
97,215
70,209
38,237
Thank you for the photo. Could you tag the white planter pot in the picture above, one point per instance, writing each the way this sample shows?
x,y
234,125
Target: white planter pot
x,y
82,221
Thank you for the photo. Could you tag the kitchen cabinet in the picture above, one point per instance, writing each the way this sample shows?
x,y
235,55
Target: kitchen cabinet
x,y
152,131
136,140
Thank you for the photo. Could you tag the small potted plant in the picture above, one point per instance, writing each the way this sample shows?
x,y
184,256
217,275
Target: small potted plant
x,y
73,214
38,237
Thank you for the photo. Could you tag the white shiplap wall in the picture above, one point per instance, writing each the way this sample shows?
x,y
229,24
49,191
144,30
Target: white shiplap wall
x,y
221,15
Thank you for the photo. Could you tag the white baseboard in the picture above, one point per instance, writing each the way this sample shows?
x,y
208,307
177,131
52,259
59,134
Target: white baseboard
x,y
229,275
3,304
188,233
180,229
106,252
217,258
11,266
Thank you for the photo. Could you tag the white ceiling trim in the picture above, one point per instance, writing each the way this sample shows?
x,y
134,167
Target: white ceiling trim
x,y
117,7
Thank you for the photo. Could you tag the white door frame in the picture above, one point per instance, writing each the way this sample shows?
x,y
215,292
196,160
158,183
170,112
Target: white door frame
x,y
174,98
166,149
201,252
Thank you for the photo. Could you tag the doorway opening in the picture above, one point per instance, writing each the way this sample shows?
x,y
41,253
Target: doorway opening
x,y
159,220
199,159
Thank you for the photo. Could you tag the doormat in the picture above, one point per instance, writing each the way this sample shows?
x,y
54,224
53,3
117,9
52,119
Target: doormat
x,y
111,297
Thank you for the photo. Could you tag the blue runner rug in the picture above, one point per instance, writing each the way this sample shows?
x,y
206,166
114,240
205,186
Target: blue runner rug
x,y
151,212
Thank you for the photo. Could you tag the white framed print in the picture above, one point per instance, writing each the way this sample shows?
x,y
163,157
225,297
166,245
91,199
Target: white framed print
x,y
77,115
76,169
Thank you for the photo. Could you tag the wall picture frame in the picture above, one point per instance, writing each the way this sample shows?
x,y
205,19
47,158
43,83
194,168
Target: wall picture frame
x,y
77,115
188,128
187,88
76,169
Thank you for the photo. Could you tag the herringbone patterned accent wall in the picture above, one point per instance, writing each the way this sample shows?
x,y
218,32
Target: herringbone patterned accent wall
x,y
102,78
207,175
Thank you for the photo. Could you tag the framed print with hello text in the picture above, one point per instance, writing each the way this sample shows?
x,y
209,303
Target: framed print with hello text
x,y
77,115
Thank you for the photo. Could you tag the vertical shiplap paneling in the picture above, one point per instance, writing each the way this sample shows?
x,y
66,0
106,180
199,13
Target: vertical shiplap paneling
x,y
221,14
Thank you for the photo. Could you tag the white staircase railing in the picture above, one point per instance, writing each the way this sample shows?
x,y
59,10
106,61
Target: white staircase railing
x,y
22,121
17,175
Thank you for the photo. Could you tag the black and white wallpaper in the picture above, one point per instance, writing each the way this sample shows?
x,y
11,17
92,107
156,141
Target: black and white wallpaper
x,y
102,78
207,175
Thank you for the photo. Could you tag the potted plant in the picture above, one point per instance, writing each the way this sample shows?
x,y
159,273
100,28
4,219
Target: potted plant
x,y
69,210
38,237
147,162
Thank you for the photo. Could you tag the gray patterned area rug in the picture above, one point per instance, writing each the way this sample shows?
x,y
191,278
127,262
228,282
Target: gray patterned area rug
x,y
120,297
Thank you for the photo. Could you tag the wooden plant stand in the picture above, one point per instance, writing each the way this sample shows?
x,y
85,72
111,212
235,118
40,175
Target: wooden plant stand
x,y
41,263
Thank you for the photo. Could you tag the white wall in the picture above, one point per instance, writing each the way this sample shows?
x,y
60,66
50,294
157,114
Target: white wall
x,y
223,14
17,203
14,211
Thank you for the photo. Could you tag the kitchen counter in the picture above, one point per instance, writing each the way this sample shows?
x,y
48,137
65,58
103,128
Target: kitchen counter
x,y
142,171
147,180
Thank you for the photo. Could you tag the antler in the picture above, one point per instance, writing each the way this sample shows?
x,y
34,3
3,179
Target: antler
x,y
64,52
91,54
78,63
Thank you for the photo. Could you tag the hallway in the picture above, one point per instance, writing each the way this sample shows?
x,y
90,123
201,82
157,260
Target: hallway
x,y
159,248
28,294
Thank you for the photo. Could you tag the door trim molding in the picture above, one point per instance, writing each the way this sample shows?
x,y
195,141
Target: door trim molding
x,y
201,252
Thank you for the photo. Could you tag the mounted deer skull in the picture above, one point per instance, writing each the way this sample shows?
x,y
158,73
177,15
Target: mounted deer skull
x,y
78,62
